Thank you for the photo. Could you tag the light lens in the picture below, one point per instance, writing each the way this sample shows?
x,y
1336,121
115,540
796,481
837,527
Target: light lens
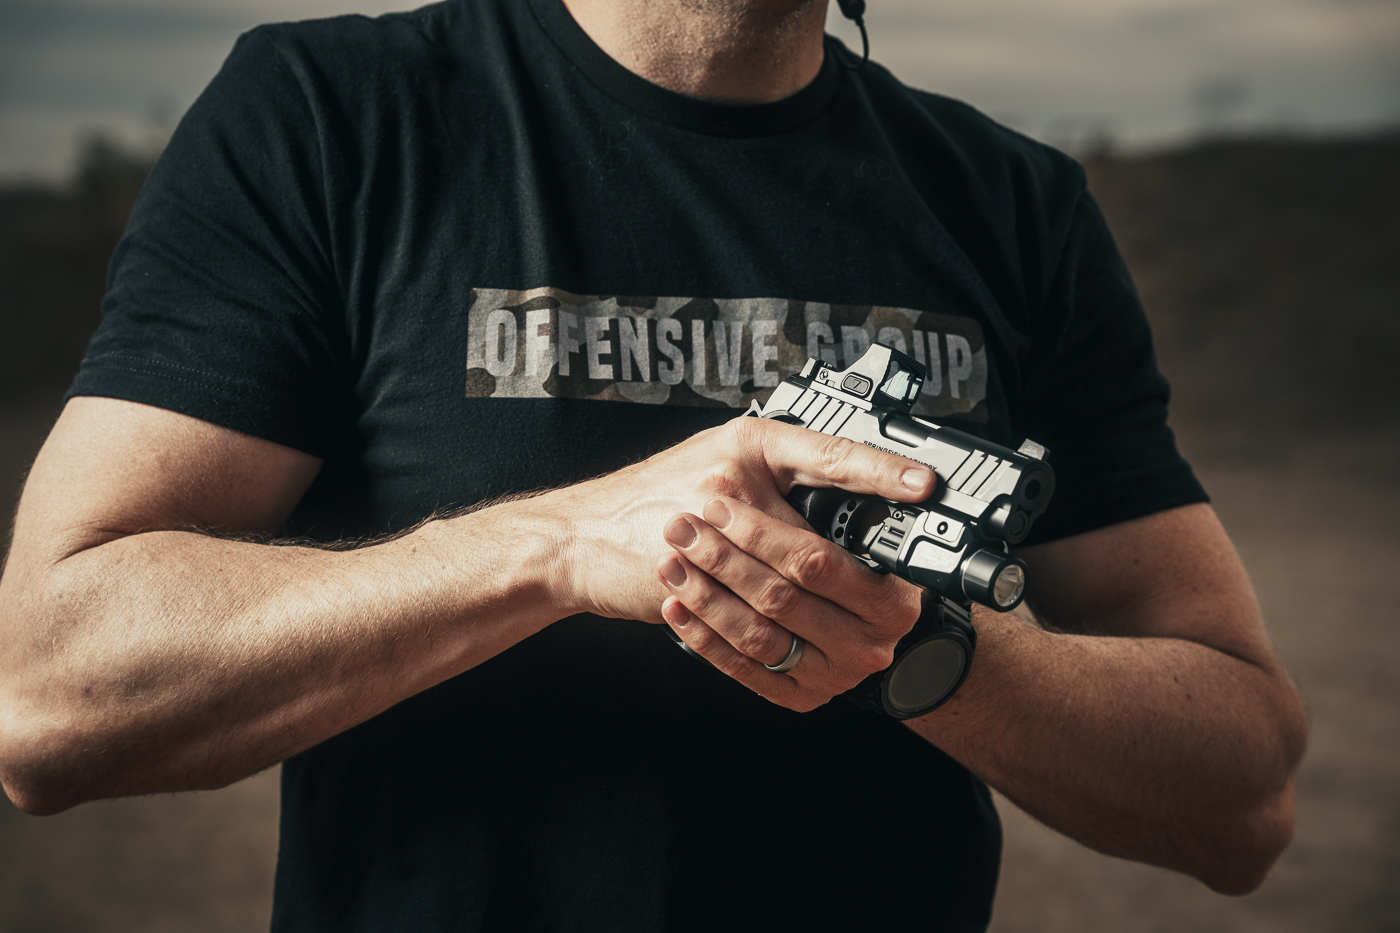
x,y
1006,591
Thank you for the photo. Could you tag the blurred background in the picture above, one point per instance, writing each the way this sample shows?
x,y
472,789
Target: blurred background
x,y
1247,154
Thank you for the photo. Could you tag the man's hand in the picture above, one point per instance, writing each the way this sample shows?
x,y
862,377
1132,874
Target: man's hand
x,y
780,581
614,523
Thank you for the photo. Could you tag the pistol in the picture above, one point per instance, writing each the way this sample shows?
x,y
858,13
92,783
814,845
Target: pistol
x,y
956,544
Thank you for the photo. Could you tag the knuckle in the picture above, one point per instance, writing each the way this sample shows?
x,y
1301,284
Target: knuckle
x,y
777,599
743,428
758,640
703,639
718,557
735,666
810,563
842,677
872,657
894,604
857,662
744,436
725,477
825,676
832,454
705,603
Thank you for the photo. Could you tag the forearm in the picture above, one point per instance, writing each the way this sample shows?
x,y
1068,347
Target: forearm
x,y
1156,749
136,660
172,660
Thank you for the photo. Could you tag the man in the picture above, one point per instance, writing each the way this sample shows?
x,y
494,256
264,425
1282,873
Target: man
x,y
356,208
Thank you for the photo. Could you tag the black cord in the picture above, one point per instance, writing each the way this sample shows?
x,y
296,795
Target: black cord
x,y
854,10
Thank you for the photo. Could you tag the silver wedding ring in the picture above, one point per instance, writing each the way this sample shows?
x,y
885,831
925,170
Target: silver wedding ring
x,y
793,656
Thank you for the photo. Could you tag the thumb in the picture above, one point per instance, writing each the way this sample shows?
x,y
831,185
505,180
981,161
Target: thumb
x,y
798,456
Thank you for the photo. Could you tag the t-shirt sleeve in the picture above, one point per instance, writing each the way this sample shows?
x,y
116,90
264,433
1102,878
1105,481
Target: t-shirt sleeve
x,y
1094,396
222,300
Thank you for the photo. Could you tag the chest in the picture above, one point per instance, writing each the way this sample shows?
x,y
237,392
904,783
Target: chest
x,y
526,314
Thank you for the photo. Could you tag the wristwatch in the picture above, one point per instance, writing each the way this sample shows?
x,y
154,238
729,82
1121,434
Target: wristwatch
x,y
930,663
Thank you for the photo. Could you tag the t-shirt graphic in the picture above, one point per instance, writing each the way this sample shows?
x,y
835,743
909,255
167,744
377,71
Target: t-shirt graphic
x,y
545,342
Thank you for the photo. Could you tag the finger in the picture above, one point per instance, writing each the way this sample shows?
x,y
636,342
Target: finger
x,y
733,592
815,565
782,689
748,602
797,456
747,631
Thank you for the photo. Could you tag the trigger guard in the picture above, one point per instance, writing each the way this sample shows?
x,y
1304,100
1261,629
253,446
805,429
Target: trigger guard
x,y
784,417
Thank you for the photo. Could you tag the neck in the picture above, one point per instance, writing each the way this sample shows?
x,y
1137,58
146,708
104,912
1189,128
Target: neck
x,y
729,51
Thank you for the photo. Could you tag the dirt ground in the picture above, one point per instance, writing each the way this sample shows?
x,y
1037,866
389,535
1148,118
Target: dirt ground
x,y
1316,521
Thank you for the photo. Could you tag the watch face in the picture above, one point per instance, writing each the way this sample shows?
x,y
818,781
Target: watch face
x,y
926,674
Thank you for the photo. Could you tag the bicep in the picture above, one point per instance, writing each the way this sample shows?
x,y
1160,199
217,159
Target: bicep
x,y
112,468
1173,574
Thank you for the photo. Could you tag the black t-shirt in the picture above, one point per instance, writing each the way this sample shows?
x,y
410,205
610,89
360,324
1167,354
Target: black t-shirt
x,y
461,252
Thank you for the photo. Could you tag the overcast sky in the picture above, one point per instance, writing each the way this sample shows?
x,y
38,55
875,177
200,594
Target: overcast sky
x,y
1141,72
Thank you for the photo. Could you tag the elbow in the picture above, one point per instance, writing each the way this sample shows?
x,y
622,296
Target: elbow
x,y
34,781
34,798
42,764
36,795
1247,846
52,738
1242,857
